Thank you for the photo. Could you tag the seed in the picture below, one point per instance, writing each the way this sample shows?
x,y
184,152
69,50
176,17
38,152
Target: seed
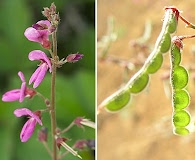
x,y
179,77
155,64
181,118
165,43
181,99
117,100
175,55
139,83
182,131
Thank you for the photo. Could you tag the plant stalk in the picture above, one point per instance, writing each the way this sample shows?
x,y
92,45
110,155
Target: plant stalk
x,y
53,91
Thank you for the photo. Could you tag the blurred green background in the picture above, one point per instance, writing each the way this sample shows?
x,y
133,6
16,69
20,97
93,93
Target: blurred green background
x,y
75,82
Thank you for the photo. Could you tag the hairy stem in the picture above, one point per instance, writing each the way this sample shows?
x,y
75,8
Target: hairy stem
x,y
53,82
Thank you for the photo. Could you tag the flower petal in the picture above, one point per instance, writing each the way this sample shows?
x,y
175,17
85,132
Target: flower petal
x,y
12,95
34,75
32,35
43,69
22,92
26,112
44,22
23,112
41,56
37,55
21,75
28,129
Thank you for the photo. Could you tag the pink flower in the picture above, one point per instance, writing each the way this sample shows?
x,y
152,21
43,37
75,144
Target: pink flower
x,y
39,32
40,72
29,126
18,94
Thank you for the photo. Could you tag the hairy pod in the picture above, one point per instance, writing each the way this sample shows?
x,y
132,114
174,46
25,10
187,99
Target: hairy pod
x,y
140,80
117,100
179,80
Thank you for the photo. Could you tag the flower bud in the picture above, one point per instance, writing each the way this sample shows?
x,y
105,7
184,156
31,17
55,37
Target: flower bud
x,y
74,57
42,134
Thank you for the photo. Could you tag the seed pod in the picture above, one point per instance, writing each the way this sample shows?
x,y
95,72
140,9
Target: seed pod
x,y
155,64
182,131
165,43
179,77
117,100
181,99
139,83
181,118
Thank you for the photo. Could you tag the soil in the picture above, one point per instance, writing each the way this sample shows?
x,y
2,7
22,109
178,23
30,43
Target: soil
x,y
143,130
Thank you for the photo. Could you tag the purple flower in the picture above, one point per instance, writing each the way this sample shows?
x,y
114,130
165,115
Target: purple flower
x,y
18,94
40,72
29,126
39,32
74,57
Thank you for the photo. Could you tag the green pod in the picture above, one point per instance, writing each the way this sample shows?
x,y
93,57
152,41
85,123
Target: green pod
x,y
181,99
117,100
181,118
139,83
155,64
179,77
182,131
165,43
175,55
172,24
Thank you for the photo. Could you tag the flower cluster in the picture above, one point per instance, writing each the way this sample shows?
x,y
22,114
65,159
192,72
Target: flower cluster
x,y
40,33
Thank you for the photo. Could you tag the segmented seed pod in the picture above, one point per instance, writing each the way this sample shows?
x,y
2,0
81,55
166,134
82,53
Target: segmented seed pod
x,y
179,80
179,77
139,83
140,80
181,118
117,100
181,99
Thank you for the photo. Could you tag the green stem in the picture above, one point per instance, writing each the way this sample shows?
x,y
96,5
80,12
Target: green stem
x,y
53,82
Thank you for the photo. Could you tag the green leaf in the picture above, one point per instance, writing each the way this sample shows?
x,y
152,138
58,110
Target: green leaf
x,y
179,77
117,100
181,99
155,64
139,83
181,118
